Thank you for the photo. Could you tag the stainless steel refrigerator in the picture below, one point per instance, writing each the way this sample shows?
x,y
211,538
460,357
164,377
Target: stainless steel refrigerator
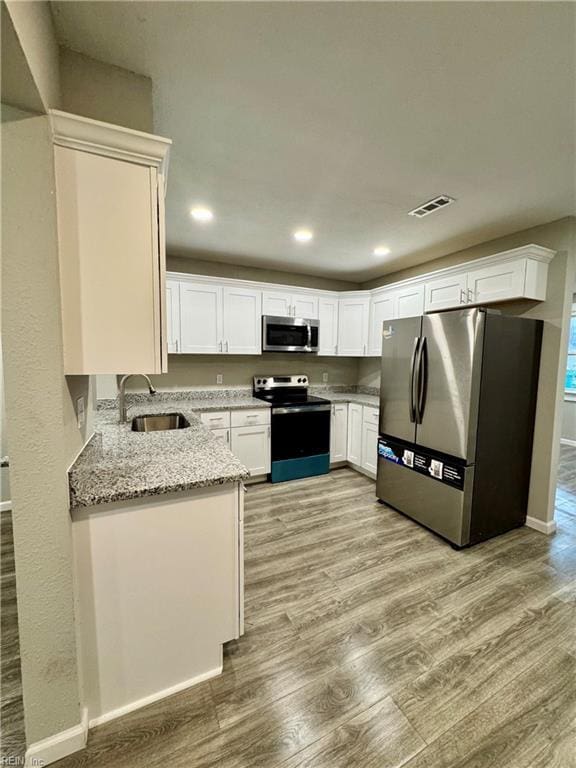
x,y
457,405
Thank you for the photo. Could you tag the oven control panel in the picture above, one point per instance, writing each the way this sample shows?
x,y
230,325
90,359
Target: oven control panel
x,y
263,382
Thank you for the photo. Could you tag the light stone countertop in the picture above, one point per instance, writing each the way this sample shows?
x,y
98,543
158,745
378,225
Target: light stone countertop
x,y
118,464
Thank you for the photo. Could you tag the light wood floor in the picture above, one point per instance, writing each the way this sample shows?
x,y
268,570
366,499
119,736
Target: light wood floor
x,y
371,643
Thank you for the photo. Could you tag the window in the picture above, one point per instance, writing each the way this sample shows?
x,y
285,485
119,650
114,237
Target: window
x,y
570,386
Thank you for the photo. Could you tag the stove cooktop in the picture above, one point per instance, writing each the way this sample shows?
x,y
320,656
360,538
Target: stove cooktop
x,y
284,400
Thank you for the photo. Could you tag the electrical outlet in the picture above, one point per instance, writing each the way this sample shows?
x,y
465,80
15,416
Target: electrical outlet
x,y
80,412
325,378
219,378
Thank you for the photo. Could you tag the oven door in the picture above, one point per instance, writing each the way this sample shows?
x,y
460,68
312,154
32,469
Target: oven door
x,y
300,431
289,334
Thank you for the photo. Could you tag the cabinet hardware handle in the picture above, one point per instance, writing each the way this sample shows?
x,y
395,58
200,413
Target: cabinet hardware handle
x,y
470,295
176,345
220,346
228,436
462,296
226,345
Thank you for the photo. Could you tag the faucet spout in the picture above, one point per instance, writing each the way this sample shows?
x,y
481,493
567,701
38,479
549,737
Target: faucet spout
x,y
122,393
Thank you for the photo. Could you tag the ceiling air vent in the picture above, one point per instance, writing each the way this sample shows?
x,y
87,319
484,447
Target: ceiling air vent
x,y
432,205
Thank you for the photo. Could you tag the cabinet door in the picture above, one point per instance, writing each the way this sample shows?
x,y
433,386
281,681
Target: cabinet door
x,y
173,315
305,306
251,445
369,447
339,433
353,326
410,301
328,316
200,318
354,451
446,292
277,303
242,311
382,308
109,259
497,283
222,434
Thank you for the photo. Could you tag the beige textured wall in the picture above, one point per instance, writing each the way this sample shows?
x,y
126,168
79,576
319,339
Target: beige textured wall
x,y
198,266
187,371
561,236
94,89
41,432
33,24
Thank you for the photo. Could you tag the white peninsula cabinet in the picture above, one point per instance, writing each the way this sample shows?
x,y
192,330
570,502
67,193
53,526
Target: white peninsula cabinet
x,y
110,184
159,584
363,438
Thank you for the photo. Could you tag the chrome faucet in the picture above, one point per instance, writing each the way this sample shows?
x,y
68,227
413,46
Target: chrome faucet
x,y
122,393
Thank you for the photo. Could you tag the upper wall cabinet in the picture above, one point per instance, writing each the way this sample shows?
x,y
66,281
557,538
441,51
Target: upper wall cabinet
x,y
410,300
220,319
173,315
290,304
446,292
382,308
328,317
353,313
110,184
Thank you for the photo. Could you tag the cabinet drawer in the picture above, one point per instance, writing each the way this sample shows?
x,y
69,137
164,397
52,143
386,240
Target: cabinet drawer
x,y
222,434
250,418
216,419
370,415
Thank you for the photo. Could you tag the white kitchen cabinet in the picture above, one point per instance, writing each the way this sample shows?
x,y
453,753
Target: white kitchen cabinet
x,y
353,313
201,318
328,317
339,433
222,434
110,213
382,308
277,303
410,301
446,292
354,447
305,305
242,323
155,623
370,440
289,304
215,419
497,282
251,445
173,315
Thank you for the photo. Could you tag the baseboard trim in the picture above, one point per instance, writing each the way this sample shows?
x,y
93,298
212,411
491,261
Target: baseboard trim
x,y
565,441
539,525
6,506
163,694
58,746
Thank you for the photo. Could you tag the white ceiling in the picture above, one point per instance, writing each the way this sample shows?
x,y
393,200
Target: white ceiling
x,y
344,116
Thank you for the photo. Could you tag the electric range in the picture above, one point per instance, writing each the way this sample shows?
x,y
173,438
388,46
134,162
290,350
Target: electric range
x,y
300,422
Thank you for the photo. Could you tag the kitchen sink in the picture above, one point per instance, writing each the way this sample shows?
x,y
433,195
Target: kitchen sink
x,y
153,422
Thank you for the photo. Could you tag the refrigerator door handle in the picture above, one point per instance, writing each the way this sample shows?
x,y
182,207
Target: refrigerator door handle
x,y
422,378
411,401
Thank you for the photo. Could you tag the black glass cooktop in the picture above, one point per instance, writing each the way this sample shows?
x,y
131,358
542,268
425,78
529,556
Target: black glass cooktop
x,y
284,400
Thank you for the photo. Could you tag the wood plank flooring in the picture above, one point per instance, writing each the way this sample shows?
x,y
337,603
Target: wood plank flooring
x,y
370,642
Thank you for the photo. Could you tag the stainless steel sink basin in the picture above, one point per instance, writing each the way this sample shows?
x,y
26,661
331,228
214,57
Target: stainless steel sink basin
x,y
152,422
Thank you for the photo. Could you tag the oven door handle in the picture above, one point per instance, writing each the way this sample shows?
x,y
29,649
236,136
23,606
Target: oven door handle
x,y
301,409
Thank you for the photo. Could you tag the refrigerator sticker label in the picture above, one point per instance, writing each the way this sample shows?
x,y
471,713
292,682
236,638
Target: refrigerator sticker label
x,y
424,464
436,468
387,453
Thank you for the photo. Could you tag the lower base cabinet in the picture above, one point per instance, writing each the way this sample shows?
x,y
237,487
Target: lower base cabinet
x,y
339,433
251,445
363,438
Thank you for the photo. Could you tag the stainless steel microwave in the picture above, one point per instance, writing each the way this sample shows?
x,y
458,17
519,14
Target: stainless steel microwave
x,y
289,334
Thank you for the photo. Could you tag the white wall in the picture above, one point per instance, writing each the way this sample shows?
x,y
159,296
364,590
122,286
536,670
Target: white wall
x,y
569,410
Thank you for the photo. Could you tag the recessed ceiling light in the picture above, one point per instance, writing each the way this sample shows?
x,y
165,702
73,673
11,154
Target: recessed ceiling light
x,y
381,250
303,235
202,214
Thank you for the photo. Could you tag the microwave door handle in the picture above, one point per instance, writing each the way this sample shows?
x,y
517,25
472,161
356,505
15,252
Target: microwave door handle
x,y
309,327
411,406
